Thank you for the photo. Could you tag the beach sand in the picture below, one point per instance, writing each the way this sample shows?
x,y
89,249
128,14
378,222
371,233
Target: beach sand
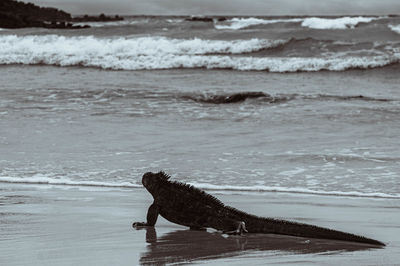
x,y
61,225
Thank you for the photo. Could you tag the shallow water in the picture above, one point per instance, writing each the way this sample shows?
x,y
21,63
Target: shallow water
x,y
292,104
330,133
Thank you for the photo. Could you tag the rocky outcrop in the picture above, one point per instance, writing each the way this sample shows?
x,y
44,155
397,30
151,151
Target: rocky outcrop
x,y
15,14
205,19
99,18
231,98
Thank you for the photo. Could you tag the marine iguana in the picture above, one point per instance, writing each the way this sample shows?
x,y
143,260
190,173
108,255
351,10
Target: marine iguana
x,y
186,205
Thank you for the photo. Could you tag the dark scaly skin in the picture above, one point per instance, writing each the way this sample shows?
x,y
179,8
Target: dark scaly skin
x,y
188,206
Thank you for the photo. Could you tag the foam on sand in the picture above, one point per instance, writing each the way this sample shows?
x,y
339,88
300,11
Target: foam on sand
x,y
293,190
64,181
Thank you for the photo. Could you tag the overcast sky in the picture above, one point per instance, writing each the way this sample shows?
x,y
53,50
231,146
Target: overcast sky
x,y
225,7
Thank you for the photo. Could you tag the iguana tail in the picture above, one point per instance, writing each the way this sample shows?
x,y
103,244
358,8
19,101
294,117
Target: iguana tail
x,y
274,226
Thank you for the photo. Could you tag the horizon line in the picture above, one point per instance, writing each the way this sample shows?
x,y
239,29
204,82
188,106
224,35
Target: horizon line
x,y
235,15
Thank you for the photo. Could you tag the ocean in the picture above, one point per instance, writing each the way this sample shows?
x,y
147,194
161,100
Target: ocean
x,y
243,105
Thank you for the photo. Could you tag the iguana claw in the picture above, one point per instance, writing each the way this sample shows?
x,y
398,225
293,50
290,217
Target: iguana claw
x,y
239,230
138,224
242,228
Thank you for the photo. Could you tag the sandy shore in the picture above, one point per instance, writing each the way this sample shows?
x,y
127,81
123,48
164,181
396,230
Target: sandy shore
x,y
58,225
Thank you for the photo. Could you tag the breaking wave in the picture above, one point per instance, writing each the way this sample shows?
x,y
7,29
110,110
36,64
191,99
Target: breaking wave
x,y
20,47
395,28
147,53
335,23
240,23
112,23
311,22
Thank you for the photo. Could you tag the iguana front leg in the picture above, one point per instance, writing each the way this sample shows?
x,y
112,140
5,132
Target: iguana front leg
x,y
152,215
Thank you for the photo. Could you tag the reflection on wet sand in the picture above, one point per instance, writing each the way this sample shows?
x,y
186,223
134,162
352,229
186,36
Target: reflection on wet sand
x,y
187,246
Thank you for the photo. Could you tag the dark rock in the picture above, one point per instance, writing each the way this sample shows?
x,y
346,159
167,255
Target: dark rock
x,y
239,97
100,18
206,19
203,19
231,98
15,14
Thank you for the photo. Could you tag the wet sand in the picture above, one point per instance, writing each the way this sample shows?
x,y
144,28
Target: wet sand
x,y
60,225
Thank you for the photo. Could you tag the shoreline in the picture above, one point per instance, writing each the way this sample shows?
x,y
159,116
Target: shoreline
x,y
51,225
206,187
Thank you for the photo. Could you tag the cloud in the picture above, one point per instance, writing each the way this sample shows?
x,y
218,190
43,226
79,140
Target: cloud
x,y
226,7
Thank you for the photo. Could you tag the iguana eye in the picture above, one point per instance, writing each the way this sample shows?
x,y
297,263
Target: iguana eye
x,y
148,174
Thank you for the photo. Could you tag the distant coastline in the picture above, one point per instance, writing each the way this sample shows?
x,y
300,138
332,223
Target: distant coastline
x,y
16,14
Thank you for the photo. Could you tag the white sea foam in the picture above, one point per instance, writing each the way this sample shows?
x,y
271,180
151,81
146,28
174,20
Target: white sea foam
x,y
175,20
45,180
260,188
97,24
165,53
240,23
124,47
395,28
313,22
336,23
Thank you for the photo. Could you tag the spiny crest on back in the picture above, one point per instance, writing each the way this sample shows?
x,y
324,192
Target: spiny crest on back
x,y
187,188
163,176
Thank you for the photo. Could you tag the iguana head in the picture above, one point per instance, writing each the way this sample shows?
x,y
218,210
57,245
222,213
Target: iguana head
x,y
151,181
